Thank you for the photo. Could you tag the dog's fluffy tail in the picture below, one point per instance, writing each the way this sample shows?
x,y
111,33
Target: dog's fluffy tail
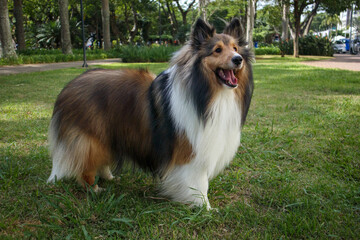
x,y
68,153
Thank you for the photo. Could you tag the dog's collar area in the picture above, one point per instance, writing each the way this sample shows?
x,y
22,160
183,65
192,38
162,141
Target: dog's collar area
x,y
227,77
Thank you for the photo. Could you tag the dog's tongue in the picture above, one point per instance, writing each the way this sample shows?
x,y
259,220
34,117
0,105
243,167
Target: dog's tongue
x,y
229,76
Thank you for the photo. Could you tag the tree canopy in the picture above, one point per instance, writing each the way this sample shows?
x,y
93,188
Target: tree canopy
x,y
145,21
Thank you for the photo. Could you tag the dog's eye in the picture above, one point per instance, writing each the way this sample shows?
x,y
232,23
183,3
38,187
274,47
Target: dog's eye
x,y
235,49
218,50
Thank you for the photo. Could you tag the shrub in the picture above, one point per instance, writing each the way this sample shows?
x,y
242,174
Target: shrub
x,y
271,50
127,53
146,54
55,55
309,45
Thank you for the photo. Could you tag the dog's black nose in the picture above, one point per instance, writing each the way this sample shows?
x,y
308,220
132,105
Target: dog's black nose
x,y
237,60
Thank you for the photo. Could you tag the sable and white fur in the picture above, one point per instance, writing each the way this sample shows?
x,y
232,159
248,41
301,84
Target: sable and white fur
x,y
184,125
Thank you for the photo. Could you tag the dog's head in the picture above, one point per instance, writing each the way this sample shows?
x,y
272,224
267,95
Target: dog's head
x,y
221,54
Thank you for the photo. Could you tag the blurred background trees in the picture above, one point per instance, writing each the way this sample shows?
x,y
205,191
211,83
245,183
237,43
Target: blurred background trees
x,y
55,24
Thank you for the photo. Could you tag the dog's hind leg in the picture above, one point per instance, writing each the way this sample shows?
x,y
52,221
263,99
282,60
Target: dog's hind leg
x,y
87,179
105,173
96,162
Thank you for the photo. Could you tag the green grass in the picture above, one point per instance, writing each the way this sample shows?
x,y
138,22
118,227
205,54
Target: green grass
x,y
295,176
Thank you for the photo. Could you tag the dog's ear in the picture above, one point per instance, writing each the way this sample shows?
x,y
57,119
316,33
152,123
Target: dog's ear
x,y
201,32
235,30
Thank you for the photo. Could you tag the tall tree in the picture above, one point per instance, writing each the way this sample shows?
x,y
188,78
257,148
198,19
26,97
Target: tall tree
x,y
250,22
297,14
299,6
65,27
105,13
7,44
306,24
329,21
285,21
114,29
170,11
135,27
19,24
295,26
202,9
183,11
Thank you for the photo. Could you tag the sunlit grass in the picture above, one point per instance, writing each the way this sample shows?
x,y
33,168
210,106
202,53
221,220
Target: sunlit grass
x,y
296,174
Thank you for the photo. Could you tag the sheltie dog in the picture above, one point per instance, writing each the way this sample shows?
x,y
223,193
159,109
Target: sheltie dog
x,y
183,125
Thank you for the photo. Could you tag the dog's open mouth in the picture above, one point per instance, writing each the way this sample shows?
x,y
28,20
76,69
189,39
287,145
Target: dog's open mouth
x,y
227,76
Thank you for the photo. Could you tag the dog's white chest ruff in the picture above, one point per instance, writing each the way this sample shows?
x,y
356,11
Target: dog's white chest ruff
x,y
219,139
214,141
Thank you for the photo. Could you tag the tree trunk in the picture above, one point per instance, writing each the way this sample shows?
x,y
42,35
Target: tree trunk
x,y
105,13
305,26
19,25
285,21
98,34
202,9
184,12
330,32
1,41
65,27
7,44
135,28
115,30
297,16
127,25
172,16
250,22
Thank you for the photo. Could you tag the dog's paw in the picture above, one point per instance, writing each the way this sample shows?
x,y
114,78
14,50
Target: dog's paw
x,y
213,210
98,189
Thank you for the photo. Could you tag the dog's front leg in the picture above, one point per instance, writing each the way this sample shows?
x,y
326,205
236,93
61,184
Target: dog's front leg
x,y
187,184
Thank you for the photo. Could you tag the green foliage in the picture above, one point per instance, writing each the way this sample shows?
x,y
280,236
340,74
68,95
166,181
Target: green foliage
x,y
267,23
155,53
337,6
146,54
182,33
316,25
309,45
55,55
48,35
268,50
295,176
224,9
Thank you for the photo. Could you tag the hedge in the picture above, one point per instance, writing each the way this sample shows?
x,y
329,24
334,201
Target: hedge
x,y
309,45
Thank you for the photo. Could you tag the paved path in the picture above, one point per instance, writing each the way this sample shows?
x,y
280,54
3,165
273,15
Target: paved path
x,y
26,68
341,61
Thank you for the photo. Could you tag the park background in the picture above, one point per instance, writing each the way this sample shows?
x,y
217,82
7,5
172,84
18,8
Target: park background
x,y
34,31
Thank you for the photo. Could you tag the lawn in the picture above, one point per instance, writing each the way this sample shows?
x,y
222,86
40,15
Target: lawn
x,y
296,175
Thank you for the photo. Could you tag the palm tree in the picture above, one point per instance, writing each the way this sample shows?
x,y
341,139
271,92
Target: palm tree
x,y
329,21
